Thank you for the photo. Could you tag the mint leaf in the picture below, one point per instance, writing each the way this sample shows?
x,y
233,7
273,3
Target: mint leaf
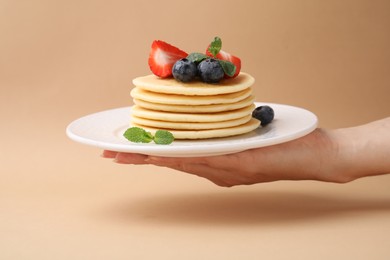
x,y
228,67
138,135
196,57
215,46
163,137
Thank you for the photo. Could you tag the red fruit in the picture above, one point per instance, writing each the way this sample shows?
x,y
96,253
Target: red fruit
x,y
162,57
223,55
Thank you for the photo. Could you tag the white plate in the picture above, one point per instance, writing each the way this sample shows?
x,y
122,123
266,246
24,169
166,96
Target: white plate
x,y
105,130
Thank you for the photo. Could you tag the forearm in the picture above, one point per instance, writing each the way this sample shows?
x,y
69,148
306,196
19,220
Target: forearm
x,y
364,150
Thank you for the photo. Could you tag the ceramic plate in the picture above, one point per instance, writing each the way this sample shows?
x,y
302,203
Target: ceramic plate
x,y
105,131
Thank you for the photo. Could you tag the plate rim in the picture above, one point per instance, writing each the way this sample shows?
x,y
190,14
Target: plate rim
x,y
217,148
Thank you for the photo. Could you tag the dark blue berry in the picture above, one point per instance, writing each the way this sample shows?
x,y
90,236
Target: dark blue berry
x,y
184,70
264,113
210,71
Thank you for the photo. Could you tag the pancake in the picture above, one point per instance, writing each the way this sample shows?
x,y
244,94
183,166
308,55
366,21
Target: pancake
x,y
173,99
191,117
189,125
195,108
251,125
195,88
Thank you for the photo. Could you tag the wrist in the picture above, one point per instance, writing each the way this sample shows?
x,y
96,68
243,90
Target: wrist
x,y
331,154
363,150
343,153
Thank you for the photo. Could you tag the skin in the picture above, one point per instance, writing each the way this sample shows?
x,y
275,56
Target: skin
x,y
339,156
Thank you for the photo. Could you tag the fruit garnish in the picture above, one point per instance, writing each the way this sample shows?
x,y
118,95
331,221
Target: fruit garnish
x,y
197,57
162,57
215,50
166,60
210,70
140,135
264,113
184,70
225,59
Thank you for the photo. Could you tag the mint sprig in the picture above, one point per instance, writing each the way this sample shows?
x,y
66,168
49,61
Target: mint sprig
x,y
228,67
197,57
163,137
215,46
140,135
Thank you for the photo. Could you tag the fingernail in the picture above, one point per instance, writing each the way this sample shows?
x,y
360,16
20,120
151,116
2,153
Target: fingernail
x,y
153,158
117,159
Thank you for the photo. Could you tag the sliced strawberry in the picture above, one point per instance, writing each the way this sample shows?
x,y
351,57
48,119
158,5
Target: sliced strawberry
x,y
162,57
223,55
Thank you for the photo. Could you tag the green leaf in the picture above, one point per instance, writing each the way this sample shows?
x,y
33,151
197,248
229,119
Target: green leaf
x,y
138,135
215,46
228,67
196,57
163,137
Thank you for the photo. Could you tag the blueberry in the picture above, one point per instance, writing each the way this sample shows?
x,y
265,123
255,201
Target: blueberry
x,y
263,113
210,71
184,70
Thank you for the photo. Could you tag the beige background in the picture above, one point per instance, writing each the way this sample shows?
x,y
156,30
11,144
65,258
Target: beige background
x,y
60,60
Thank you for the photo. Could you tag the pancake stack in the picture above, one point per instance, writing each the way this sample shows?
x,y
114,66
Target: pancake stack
x,y
194,110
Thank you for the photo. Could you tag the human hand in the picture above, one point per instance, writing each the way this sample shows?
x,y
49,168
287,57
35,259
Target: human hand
x,y
308,158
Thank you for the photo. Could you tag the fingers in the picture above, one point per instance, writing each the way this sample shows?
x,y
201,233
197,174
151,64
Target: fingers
x,y
171,161
190,165
199,166
125,158
109,154
131,158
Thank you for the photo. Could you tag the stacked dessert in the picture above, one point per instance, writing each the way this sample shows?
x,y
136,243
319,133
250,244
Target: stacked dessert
x,y
191,101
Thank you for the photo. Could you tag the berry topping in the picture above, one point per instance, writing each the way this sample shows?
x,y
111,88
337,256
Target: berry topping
x,y
223,55
162,57
210,70
263,113
184,70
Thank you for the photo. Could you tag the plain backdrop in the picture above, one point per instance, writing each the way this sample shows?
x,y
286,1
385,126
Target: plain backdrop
x,y
60,60
75,57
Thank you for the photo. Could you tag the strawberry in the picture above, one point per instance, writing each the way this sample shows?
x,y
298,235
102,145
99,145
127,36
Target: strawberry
x,y
223,55
162,57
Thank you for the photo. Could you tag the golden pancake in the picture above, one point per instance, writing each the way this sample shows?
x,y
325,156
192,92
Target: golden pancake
x,y
189,125
195,108
172,99
195,88
191,117
251,125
